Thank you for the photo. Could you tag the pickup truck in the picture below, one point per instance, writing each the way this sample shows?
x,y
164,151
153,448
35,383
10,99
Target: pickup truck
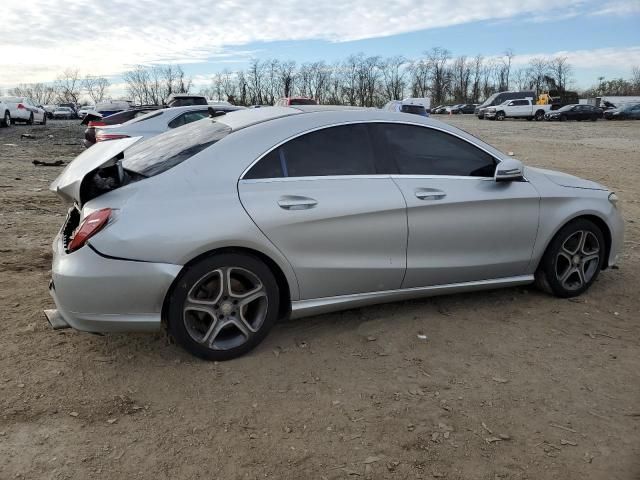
x,y
518,108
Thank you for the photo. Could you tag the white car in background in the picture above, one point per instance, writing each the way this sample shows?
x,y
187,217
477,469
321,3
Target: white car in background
x,y
22,109
86,109
63,112
159,121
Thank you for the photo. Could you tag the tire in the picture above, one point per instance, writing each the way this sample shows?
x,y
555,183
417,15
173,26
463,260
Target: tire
x,y
30,121
480,117
539,115
500,116
593,118
572,260
6,119
44,120
563,118
207,318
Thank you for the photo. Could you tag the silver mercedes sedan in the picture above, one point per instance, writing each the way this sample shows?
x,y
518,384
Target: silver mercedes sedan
x,y
217,229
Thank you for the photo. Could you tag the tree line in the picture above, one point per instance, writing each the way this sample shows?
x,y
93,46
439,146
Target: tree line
x,y
69,87
358,80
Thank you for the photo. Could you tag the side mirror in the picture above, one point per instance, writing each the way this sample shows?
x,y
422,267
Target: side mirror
x,y
509,170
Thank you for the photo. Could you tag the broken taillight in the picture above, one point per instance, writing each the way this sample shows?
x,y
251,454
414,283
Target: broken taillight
x,y
91,225
94,123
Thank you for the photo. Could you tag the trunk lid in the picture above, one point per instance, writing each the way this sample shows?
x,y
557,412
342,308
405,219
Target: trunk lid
x,y
104,154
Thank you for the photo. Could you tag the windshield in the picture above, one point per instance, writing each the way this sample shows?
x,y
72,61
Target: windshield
x,y
489,100
165,151
630,106
566,108
415,109
302,101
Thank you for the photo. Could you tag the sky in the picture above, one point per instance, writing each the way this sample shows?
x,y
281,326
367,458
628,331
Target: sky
x,y
41,38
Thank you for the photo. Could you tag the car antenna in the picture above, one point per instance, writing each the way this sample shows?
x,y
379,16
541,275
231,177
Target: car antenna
x,y
215,113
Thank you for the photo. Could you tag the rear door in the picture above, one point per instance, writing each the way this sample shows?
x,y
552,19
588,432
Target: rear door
x,y
320,200
463,226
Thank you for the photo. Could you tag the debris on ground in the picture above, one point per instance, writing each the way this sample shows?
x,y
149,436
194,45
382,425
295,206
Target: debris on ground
x,y
57,163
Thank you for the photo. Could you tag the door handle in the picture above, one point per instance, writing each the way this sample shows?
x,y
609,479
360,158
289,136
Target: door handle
x,y
428,194
294,202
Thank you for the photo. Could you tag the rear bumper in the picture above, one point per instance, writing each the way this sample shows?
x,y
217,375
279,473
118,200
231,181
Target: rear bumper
x,y
489,114
97,294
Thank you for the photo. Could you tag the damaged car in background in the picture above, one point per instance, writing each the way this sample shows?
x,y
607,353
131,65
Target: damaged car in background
x,y
217,229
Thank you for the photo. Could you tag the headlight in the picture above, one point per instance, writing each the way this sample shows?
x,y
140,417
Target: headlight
x,y
613,198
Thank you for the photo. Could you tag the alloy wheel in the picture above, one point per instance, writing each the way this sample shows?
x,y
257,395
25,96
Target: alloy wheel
x,y
225,308
577,260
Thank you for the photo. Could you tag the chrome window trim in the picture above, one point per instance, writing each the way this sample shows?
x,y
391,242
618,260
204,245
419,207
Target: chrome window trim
x,y
278,145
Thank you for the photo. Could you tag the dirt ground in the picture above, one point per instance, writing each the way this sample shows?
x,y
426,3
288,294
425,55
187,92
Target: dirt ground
x,y
509,384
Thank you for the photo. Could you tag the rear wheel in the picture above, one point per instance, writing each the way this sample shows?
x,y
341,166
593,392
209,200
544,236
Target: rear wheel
x,y
223,306
44,120
539,115
563,118
30,121
573,259
6,119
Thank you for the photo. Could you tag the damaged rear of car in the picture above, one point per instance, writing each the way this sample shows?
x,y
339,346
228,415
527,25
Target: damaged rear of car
x,y
91,289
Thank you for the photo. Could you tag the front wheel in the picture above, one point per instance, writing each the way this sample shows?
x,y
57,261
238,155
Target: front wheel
x,y
500,116
6,119
572,260
44,120
563,118
30,121
223,306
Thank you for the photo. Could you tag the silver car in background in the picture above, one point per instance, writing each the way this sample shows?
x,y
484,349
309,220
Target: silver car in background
x,y
158,121
217,229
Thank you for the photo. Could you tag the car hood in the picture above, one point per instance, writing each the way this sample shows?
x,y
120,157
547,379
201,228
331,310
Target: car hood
x,y
102,154
566,180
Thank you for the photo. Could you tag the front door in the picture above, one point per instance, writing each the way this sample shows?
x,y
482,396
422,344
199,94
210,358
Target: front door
x,y
463,226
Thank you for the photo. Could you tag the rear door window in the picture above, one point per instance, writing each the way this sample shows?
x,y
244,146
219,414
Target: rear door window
x,y
340,150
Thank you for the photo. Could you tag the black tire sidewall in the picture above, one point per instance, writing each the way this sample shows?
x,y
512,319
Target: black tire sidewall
x,y
192,274
548,263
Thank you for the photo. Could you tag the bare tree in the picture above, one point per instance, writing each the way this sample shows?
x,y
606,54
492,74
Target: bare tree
x,y
154,85
394,79
96,88
460,75
39,93
68,86
437,59
287,77
504,69
560,70
537,70
477,78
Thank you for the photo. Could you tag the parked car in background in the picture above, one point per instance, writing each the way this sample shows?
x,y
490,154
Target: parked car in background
x,y
22,109
5,114
154,123
464,108
501,97
289,101
93,120
110,107
217,229
439,109
424,101
49,109
400,106
626,112
575,112
185,100
73,107
64,113
449,109
520,108
86,109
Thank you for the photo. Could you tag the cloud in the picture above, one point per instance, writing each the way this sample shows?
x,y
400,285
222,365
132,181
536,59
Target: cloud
x,y
42,38
599,58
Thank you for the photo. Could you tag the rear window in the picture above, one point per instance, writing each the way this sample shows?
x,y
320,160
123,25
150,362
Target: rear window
x,y
415,109
143,116
165,151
